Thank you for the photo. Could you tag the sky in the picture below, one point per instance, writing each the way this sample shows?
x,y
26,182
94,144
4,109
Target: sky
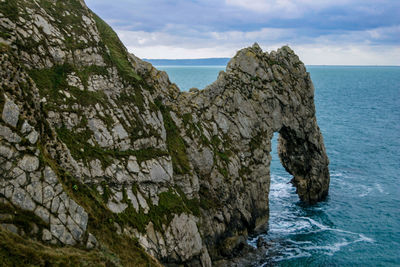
x,y
321,32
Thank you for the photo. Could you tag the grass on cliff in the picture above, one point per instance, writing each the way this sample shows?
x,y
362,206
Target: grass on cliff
x,y
175,143
118,248
118,54
170,203
10,9
19,251
80,149
52,81
23,219
101,224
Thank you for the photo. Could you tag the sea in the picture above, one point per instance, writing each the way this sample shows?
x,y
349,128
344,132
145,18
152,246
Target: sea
x,y
358,111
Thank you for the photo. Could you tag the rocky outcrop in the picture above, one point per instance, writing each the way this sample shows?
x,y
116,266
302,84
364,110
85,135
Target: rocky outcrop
x,y
99,149
259,94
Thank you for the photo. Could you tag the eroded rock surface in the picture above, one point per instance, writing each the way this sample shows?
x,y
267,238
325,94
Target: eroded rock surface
x,y
89,131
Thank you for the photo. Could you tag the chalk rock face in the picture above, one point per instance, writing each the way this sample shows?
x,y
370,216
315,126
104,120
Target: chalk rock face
x,y
259,94
90,133
263,93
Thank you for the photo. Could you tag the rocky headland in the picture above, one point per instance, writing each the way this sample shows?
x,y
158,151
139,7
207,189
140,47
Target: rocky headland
x,y
103,161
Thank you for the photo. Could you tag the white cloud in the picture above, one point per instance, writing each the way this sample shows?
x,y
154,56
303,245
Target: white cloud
x,y
173,52
309,54
348,55
197,40
345,48
384,33
264,34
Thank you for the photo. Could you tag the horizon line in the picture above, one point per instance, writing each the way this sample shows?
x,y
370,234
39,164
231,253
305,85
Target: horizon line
x,y
225,58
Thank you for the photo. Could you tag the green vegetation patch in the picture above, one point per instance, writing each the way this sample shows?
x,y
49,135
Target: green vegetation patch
x,y
85,72
19,251
87,98
118,55
170,203
73,18
175,143
52,81
224,156
4,48
10,9
21,218
194,129
101,223
137,98
77,142
5,35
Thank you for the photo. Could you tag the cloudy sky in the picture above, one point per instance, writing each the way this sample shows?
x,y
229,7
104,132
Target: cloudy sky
x,y
344,32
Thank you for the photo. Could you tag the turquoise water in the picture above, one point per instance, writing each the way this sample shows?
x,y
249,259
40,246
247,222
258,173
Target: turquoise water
x,y
358,111
187,77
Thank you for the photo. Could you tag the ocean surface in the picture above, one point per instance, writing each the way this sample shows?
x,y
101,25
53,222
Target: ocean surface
x,y
358,111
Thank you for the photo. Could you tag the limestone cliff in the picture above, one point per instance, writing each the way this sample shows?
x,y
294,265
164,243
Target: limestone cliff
x,y
100,151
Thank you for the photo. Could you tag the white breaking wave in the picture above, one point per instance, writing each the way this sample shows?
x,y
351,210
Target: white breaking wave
x,y
337,174
326,228
330,249
379,188
287,221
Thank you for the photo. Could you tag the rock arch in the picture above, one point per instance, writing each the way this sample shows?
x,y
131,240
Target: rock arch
x,y
259,94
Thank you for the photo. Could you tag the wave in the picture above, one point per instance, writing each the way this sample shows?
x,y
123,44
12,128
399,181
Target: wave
x,y
379,188
331,249
290,255
284,247
293,234
335,247
337,174
326,228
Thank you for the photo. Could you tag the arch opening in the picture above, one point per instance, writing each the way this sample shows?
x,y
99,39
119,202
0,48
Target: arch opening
x,y
282,193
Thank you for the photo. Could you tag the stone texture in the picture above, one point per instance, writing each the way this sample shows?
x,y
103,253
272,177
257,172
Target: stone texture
x,y
10,113
157,172
183,237
43,213
133,166
22,199
142,202
203,160
101,133
116,207
120,132
33,137
6,152
46,235
9,135
133,199
91,242
96,168
50,176
10,227
29,163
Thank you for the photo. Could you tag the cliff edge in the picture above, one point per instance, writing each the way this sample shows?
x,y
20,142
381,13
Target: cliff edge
x,y
103,161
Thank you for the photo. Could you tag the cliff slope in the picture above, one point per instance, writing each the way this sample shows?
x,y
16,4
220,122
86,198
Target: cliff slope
x,y
101,155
